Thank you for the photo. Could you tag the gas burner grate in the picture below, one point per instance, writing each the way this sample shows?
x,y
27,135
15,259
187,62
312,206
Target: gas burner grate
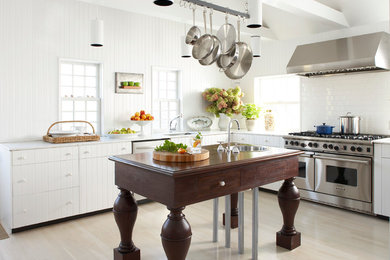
x,y
363,137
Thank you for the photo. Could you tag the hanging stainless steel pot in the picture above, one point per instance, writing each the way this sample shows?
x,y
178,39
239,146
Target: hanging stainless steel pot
x,y
204,45
213,56
350,124
244,59
194,33
227,36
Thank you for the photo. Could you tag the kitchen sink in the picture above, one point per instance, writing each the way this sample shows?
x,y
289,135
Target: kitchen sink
x,y
178,133
251,148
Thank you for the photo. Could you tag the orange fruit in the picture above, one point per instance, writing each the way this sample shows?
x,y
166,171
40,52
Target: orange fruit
x,y
181,150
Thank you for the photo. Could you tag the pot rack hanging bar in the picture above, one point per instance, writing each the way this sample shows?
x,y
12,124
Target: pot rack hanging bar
x,y
218,8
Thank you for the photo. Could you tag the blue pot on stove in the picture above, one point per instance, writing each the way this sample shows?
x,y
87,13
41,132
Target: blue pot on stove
x,y
324,129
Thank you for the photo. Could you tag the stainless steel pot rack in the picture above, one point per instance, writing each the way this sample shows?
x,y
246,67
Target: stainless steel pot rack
x,y
218,8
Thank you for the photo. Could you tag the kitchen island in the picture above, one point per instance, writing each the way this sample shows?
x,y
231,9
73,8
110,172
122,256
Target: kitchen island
x,y
177,185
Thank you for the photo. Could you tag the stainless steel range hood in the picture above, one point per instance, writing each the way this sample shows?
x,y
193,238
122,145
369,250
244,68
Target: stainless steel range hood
x,y
363,53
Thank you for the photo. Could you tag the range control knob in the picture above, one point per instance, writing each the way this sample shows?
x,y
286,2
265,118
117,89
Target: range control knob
x,y
303,145
336,148
353,148
359,149
291,142
296,143
310,144
330,146
315,145
325,146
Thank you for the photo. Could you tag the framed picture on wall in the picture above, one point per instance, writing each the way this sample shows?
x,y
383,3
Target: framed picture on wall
x,y
129,83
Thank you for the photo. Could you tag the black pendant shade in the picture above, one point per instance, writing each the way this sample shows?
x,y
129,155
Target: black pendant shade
x,y
163,2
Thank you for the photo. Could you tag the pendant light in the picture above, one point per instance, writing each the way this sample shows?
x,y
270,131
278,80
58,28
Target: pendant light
x,y
255,10
163,2
185,48
256,45
97,31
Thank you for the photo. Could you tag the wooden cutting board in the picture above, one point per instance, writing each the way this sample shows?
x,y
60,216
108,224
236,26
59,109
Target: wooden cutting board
x,y
177,157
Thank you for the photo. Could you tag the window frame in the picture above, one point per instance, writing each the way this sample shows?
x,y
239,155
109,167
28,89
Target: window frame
x,y
99,85
179,98
260,102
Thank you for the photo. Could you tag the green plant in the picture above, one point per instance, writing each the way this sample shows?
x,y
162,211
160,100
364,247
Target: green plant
x,y
224,101
251,111
171,147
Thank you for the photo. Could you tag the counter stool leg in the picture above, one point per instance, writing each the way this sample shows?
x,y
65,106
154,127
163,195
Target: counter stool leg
x,y
255,222
215,220
241,222
227,221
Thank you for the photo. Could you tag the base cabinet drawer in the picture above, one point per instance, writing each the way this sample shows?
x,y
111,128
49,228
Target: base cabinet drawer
x,y
217,184
30,209
63,203
45,206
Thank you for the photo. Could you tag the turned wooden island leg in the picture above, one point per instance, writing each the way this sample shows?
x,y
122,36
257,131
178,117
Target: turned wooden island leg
x,y
233,211
289,198
125,213
176,235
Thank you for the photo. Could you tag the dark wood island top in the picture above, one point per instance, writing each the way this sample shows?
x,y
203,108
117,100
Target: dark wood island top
x,y
177,185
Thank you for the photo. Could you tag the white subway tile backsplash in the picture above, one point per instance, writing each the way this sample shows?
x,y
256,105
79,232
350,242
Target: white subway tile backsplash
x,y
367,95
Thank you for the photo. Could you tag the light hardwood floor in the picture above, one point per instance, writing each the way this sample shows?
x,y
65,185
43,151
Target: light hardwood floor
x,y
327,233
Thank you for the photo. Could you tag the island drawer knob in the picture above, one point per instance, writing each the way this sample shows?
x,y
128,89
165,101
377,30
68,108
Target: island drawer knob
x,y
222,183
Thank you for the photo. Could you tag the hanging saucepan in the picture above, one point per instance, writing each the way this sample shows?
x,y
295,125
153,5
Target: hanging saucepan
x,y
213,56
227,36
227,60
243,61
324,129
194,33
204,45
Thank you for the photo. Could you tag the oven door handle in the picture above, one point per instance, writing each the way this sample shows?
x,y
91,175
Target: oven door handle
x,y
341,160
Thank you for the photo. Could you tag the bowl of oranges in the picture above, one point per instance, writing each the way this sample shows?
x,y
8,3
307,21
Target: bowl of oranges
x,y
142,119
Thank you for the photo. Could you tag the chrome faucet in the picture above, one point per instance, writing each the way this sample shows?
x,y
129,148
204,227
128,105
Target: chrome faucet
x,y
229,131
171,128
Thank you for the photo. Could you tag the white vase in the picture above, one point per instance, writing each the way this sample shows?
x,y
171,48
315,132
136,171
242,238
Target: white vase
x,y
250,124
223,122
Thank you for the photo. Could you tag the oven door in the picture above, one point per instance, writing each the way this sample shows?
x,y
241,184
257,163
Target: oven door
x,y
343,176
305,179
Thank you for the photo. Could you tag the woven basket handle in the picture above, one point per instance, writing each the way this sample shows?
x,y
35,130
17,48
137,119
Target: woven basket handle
x,y
76,121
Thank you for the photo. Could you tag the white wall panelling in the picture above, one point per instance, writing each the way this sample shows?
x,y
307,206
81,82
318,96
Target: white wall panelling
x,y
35,34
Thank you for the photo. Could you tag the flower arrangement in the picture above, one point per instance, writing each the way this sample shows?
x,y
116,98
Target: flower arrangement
x,y
224,101
251,111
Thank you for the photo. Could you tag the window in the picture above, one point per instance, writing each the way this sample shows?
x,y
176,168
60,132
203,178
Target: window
x,y
166,96
281,94
79,93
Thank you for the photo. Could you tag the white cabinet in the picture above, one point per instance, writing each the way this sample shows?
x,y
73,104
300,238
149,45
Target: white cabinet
x,y
97,187
381,179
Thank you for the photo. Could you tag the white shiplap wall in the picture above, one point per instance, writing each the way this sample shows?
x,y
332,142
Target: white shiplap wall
x,y
36,33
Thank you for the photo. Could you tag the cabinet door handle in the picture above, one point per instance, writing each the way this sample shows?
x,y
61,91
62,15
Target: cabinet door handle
x,y
68,154
21,158
69,203
69,175
24,210
22,181
123,148
222,183
86,152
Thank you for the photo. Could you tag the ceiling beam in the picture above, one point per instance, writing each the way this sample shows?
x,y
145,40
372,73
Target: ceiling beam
x,y
311,9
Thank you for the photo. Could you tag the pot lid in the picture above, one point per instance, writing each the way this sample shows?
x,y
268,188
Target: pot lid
x,y
349,115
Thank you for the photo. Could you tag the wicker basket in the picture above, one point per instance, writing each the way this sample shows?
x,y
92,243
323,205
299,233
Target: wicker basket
x,y
70,139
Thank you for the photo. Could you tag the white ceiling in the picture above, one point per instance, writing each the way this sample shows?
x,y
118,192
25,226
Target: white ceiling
x,y
282,19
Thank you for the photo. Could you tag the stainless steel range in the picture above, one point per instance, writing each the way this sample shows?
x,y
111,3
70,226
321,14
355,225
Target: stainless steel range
x,y
335,169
